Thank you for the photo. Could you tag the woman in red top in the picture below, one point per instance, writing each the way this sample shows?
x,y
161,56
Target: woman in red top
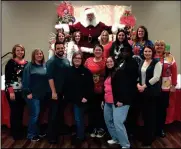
x,y
104,41
96,65
169,81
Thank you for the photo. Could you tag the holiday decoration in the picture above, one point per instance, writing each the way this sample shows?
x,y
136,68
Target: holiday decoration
x,y
65,12
128,19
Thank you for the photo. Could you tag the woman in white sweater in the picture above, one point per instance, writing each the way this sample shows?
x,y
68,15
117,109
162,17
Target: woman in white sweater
x,y
74,46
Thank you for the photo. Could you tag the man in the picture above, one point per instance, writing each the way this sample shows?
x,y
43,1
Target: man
x,y
90,29
57,68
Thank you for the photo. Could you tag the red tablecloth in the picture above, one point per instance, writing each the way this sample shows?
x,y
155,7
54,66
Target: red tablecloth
x,y
173,112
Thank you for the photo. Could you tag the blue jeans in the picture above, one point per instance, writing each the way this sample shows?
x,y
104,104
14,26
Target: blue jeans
x,y
79,119
115,118
34,111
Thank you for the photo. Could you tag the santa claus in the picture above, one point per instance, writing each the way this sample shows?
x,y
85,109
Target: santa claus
x,y
90,29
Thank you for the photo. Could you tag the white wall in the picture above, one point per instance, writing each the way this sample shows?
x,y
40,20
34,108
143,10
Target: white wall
x,y
30,23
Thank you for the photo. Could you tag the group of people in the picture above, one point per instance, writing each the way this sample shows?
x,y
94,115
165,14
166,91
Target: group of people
x,y
112,81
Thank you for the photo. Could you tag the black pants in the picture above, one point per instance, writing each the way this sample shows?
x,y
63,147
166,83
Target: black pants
x,y
162,105
95,113
56,117
16,114
133,115
148,109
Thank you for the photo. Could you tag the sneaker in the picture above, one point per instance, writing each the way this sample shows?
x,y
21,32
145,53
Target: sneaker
x,y
100,133
36,138
94,133
112,142
42,135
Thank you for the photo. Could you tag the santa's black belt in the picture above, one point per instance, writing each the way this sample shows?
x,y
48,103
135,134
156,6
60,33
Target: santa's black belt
x,y
90,39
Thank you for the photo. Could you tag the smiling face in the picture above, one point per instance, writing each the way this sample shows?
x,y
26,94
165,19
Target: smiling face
x,y
77,37
141,33
39,56
61,37
148,53
98,52
109,62
19,52
59,49
77,60
160,47
121,36
105,37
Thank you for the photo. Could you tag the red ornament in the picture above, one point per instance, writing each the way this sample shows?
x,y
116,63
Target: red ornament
x,y
65,8
128,19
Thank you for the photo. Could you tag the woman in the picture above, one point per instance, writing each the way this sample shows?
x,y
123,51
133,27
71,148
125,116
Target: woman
x,y
169,81
13,88
141,40
104,41
120,89
149,87
79,87
60,37
121,40
96,65
74,46
34,92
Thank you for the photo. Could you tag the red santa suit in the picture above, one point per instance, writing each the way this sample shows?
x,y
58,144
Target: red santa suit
x,y
90,31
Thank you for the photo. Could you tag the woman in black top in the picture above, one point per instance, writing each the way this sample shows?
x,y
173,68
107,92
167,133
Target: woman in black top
x,y
118,45
124,90
13,87
79,87
149,87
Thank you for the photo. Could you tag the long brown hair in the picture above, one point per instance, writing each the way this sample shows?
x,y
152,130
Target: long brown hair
x,y
14,50
33,56
145,38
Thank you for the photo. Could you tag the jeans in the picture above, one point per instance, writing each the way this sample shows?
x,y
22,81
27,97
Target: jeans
x,y
16,114
79,119
34,106
115,118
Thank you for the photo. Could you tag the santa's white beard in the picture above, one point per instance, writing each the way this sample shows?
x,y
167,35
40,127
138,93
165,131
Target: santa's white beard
x,y
87,22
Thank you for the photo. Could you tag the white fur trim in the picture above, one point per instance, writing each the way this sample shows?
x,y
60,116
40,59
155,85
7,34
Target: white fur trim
x,y
64,26
87,50
115,28
89,11
71,48
51,53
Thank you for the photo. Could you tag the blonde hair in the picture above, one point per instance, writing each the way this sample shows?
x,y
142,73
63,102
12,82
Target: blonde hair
x,y
104,31
160,42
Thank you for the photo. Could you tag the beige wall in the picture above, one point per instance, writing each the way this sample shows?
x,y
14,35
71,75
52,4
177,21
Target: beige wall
x,y
30,23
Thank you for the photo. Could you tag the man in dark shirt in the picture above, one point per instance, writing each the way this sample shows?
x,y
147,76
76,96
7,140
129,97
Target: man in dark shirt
x,y
57,68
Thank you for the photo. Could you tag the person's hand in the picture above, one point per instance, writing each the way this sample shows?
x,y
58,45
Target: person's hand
x,y
12,96
102,105
54,96
84,100
119,104
140,87
29,96
172,89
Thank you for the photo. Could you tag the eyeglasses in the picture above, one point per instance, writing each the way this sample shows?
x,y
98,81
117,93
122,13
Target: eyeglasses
x,y
77,58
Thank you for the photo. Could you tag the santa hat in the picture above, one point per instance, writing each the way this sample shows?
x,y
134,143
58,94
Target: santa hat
x,y
89,11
